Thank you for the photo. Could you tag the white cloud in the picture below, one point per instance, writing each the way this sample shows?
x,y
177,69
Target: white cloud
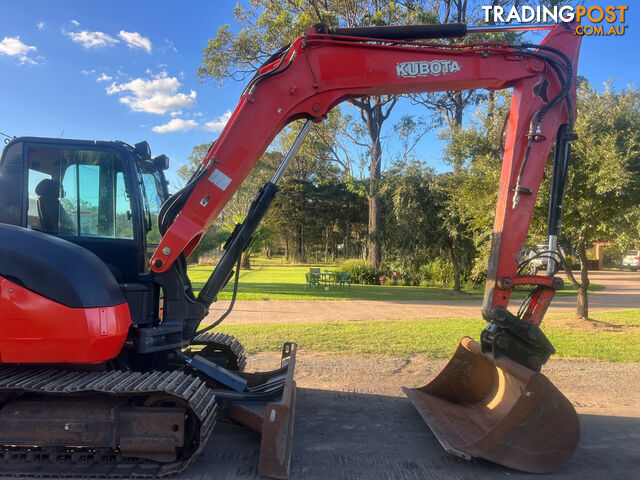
x,y
168,46
40,25
135,40
88,72
14,47
176,113
93,39
218,124
157,95
104,78
175,125
75,22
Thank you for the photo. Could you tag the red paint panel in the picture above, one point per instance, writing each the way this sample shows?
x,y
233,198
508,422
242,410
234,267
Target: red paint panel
x,y
512,223
34,329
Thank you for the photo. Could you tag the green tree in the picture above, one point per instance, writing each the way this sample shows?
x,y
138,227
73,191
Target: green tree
x,y
455,239
411,221
194,160
471,190
267,25
318,158
603,187
293,216
418,201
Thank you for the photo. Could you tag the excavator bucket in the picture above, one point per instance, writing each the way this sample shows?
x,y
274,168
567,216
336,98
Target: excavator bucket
x,y
498,410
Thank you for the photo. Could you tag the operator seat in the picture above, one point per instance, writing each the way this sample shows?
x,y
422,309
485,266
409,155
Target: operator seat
x,y
50,211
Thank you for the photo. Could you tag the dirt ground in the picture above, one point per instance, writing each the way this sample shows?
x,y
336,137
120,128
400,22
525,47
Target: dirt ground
x,y
594,387
353,422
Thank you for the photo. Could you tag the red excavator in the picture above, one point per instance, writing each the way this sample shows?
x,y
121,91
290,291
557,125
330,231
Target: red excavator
x,y
105,370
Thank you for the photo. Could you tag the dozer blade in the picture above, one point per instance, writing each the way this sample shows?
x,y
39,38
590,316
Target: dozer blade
x,y
272,418
498,410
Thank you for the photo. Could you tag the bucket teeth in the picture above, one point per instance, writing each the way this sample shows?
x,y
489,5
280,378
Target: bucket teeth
x,y
498,410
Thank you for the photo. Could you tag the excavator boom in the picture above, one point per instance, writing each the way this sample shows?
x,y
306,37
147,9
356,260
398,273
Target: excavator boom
x,y
319,70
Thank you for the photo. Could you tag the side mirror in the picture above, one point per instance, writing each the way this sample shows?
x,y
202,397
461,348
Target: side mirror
x,y
161,162
143,150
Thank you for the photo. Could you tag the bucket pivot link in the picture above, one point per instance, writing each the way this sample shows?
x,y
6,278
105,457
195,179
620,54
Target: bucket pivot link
x,y
507,335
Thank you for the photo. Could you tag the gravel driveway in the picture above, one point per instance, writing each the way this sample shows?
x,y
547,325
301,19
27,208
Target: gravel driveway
x,y
621,290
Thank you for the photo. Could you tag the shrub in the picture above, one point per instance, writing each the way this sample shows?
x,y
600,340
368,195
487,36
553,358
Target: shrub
x,y
438,273
363,272
478,275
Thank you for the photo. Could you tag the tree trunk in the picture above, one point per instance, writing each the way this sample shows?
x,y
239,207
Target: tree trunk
x,y
583,304
326,246
346,242
375,250
245,263
286,249
583,299
334,247
373,115
374,123
582,286
298,253
457,286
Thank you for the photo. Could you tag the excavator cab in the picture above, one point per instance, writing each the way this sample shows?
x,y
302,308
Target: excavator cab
x,y
103,196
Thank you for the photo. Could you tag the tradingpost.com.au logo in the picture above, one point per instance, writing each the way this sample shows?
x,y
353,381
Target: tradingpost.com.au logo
x,y
608,20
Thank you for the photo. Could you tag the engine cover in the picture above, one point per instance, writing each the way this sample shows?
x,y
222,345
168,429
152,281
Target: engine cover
x,y
58,302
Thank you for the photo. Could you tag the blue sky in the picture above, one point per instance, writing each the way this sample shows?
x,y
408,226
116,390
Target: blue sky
x,y
127,70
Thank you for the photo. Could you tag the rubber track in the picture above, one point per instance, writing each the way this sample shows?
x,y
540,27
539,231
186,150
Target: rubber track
x,y
228,344
56,462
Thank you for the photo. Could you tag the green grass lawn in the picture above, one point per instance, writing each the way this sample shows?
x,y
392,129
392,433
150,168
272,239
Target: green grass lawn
x,y
436,338
269,280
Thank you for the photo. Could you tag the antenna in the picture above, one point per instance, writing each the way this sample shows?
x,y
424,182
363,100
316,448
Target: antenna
x,y
8,137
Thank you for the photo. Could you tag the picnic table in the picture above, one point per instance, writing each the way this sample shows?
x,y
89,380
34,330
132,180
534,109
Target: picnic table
x,y
316,277
329,278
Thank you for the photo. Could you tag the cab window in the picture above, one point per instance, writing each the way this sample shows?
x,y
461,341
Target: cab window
x,y
79,192
11,184
153,195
